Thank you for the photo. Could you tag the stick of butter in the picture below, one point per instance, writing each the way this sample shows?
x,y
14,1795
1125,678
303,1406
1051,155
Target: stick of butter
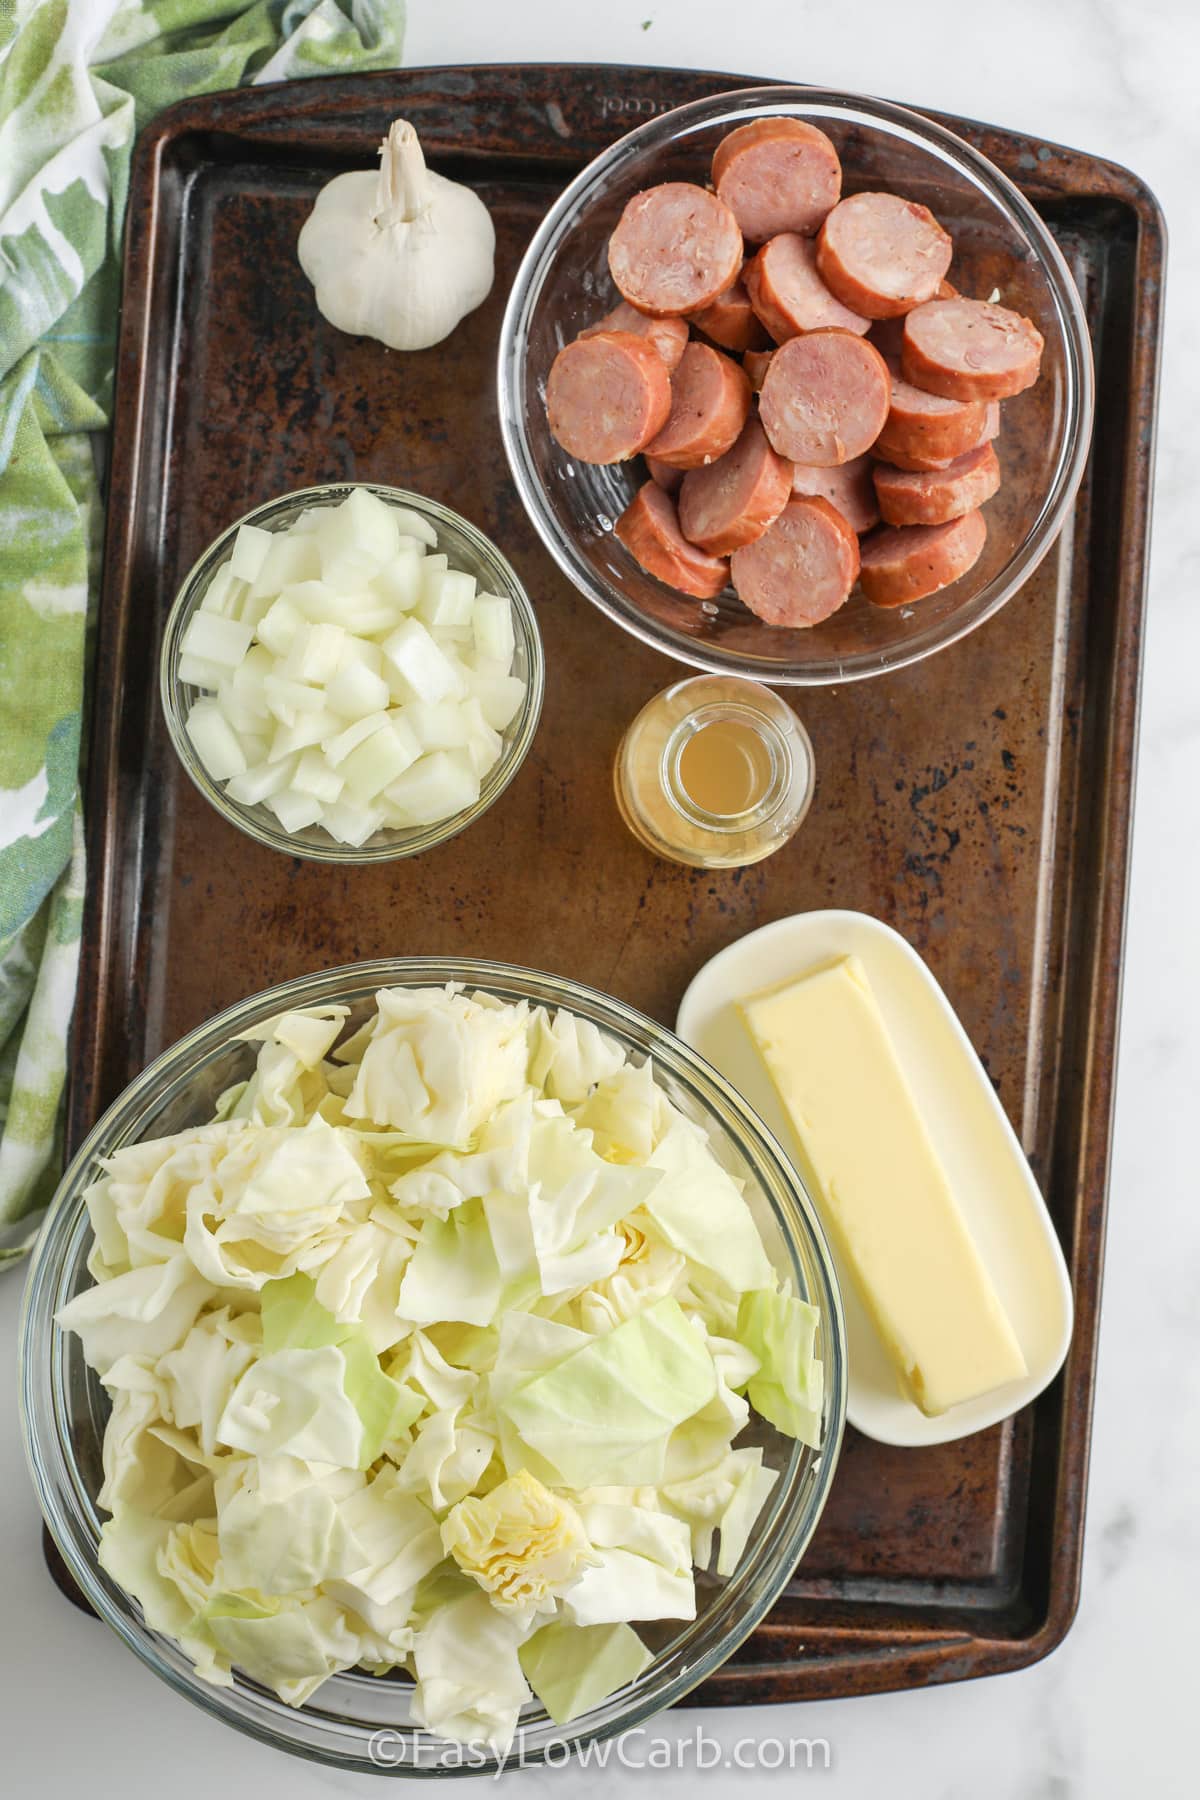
x,y
880,1188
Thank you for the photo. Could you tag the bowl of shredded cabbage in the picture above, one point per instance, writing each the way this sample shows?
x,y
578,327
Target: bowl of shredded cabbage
x,y
431,1365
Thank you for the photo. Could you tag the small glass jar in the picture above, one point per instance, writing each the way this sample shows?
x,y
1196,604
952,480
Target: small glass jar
x,y
716,772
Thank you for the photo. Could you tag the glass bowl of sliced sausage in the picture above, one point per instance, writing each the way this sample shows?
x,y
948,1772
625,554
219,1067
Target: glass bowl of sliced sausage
x,y
795,385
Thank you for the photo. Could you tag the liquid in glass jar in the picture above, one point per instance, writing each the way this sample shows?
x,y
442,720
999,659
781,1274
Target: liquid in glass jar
x,y
715,772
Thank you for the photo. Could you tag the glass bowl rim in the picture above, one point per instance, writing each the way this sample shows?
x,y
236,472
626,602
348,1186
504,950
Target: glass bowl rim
x,y
791,1520
765,99
403,843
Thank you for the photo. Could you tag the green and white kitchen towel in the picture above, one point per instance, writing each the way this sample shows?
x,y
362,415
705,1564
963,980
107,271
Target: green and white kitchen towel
x,y
78,78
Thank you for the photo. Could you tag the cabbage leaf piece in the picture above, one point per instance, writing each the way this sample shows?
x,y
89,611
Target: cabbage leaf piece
x,y
575,1200
569,1055
449,1454
728,1496
781,1331
395,1539
610,1406
200,1374
528,1344
699,1210
290,1646
134,1552
572,1668
642,1567
499,1163
144,1312
453,1273
309,1032
281,1530
469,1680
330,1402
438,1064
622,1112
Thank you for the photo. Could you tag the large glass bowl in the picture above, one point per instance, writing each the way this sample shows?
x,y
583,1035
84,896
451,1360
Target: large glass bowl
x,y
1001,247
468,549
64,1407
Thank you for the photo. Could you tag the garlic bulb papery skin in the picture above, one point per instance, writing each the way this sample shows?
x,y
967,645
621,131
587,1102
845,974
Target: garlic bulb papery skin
x,y
401,255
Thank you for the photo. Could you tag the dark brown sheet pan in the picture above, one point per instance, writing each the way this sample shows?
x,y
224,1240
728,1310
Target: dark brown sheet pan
x,y
981,803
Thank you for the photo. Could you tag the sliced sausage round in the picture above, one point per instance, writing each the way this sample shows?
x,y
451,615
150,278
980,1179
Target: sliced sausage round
x,y
666,477
882,255
731,321
970,350
676,248
887,335
649,530
917,463
669,336
607,396
733,500
901,563
937,495
825,398
710,397
756,363
849,489
787,293
777,175
800,570
926,431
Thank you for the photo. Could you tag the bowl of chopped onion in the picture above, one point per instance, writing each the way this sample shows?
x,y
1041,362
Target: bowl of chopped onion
x,y
432,1366
352,673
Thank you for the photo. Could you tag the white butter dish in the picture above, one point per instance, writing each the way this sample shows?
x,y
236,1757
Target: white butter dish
x,y
978,1147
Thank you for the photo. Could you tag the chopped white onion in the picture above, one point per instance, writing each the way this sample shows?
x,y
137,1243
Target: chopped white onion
x,y
352,678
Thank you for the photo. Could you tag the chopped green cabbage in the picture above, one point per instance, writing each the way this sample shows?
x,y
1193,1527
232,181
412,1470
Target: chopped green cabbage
x,y
781,1331
613,1403
433,1351
572,1668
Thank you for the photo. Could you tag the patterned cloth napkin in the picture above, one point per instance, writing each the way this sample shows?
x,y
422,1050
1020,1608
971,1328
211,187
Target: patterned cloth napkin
x,y
78,78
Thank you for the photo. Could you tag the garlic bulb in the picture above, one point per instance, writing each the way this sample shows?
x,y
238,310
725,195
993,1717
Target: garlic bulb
x,y
400,256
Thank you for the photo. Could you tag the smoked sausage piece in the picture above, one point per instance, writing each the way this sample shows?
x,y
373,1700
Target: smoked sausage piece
x,y
710,397
649,530
916,462
731,321
881,255
925,431
901,563
970,350
733,500
676,248
755,363
849,489
824,398
666,477
607,396
669,336
938,495
787,293
800,570
777,175
887,335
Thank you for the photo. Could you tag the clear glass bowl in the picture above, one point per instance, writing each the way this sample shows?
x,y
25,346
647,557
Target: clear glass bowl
x,y
64,1407
468,549
1000,243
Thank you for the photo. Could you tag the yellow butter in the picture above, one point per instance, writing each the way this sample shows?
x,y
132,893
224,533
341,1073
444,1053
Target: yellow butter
x,y
880,1187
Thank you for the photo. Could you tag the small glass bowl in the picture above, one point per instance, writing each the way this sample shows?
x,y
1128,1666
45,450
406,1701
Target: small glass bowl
x,y
64,1407
468,549
1000,246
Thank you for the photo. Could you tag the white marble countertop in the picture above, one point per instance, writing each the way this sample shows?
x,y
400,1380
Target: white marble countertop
x,y
1111,1713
